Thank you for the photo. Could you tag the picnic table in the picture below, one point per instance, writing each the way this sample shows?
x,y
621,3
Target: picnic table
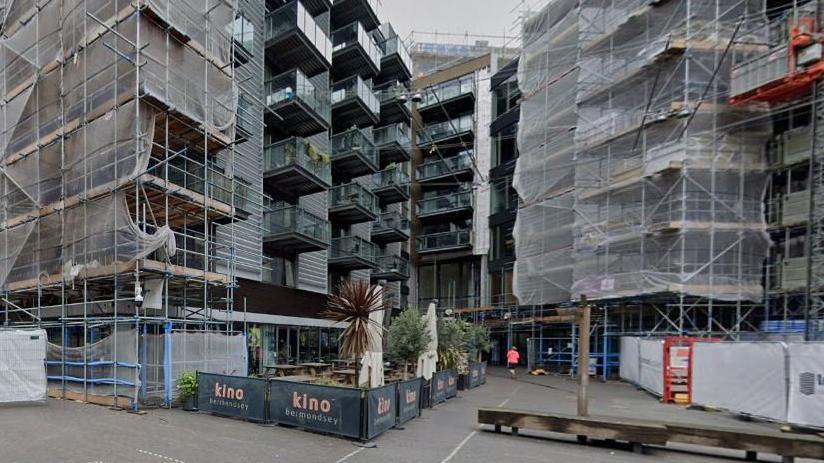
x,y
296,378
285,370
317,368
349,375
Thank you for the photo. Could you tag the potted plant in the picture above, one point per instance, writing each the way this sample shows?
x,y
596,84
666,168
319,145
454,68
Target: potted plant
x,y
452,342
352,307
408,338
187,385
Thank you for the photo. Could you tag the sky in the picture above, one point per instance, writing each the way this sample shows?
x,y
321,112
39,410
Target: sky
x,y
485,17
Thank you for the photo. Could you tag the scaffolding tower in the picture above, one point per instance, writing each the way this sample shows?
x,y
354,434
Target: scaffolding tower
x,y
116,153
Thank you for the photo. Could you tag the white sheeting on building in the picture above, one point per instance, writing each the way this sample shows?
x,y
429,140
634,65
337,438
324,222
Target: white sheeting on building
x,y
651,370
742,377
22,366
630,360
806,384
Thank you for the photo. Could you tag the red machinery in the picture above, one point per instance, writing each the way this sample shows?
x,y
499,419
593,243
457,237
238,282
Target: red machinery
x,y
805,41
678,368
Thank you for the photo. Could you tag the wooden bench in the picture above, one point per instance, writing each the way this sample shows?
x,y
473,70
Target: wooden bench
x,y
638,433
751,441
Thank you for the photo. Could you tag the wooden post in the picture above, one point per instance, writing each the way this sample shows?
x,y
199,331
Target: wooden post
x,y
583,357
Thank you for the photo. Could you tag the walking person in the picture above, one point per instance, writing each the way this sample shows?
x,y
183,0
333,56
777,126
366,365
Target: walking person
x,y
512,358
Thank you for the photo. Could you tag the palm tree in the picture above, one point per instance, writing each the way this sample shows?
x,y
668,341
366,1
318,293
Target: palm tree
x,y
352,306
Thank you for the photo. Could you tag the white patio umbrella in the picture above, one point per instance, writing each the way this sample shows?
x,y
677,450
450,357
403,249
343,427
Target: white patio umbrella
x,y
372,362
428,362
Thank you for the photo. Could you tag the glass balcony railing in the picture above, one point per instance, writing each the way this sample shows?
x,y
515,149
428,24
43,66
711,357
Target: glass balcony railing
x,y
447,129
208,181
392,264
441,167
353,194
445,203
293,16
394,45
353,34
445,240
295,86
394,133
298,152
355,87
391,177
293,219
390,221
354,141
448,90
352,246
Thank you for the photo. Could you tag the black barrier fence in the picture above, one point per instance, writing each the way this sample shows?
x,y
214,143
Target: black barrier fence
x,y
232,396
483,372
381,410
474,375
334,410
410,399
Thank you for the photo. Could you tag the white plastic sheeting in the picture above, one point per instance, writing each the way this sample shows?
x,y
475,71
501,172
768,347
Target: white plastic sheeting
x,y
806,383
22,365
630,360
742,377
651,369
483,162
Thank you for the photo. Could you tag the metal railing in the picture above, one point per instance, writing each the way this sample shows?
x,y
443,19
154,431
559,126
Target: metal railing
x,y
391,221
445,203
441,167
392,263
353,194
394,45
294,16
393,133
354,33
352,246
355,87
447,129
294,85
445,240
354,141
297,152
448,90
294,219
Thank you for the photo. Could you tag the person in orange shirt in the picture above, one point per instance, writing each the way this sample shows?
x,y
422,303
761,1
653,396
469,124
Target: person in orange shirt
x,y
512,357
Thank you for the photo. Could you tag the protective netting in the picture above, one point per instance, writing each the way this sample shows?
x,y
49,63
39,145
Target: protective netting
x,y
22,365
626,130
84,85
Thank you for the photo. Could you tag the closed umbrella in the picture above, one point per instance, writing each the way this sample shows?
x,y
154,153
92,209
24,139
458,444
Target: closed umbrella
x,y
428,362
372,361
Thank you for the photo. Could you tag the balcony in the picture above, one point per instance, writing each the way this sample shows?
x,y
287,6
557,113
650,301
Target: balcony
x,y
347,11
354,103
314,7
352,203
453,169
352,253
393,144
354,153
392,186
354,52
395,104
390,227
396,62
454,132
448,206
291,230
295,167
194,182
447,241
295,40
391,268
303,109
452,97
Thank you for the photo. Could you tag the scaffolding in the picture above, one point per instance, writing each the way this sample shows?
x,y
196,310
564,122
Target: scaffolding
x,y
117,144
627,131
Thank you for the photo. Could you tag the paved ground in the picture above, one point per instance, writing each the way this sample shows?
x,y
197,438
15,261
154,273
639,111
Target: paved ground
x,y
65,431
